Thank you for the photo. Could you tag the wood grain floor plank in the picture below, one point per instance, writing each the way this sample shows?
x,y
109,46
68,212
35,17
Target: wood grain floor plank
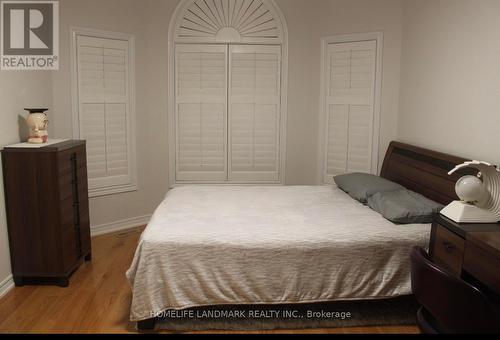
x,y
98,299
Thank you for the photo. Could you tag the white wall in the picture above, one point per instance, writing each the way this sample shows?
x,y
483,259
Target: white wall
x,y
18,89
334,17
450,78
128,16
148,20
357,16
309,21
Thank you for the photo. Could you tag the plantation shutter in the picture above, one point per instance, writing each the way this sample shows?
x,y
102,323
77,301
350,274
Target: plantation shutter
x,y
254,113
104,109
201,109
350,107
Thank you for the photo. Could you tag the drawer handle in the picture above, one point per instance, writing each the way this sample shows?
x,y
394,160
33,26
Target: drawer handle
x,y
448,246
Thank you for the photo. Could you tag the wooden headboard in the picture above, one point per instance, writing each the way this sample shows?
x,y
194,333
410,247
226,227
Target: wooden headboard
x,y
423,171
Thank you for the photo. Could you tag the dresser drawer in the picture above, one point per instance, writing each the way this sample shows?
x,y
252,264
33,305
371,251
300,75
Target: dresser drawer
x,y
483,266
66,183
448,250
66,158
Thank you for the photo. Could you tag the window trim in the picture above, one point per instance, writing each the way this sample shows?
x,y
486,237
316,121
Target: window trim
x,y
322,132
79,31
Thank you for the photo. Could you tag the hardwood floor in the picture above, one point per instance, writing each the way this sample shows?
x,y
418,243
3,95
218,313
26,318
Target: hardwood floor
x,y
98,298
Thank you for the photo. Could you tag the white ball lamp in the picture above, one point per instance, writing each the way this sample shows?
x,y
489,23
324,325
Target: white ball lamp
x,y
479,196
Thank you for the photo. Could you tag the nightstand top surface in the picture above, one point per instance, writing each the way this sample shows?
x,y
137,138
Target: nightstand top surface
x,y
465,228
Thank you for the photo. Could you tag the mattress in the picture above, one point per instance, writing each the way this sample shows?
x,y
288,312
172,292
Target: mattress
x,y
220,245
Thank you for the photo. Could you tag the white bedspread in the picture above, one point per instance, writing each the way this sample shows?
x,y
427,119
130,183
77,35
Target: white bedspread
x,y
216,245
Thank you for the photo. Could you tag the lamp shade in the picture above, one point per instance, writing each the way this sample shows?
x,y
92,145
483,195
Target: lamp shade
x,y
469,189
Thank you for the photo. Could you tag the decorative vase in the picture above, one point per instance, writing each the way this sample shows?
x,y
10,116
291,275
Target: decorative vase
x,y
37,122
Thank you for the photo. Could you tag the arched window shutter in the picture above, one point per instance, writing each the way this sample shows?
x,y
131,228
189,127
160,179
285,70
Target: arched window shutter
x,y
228,78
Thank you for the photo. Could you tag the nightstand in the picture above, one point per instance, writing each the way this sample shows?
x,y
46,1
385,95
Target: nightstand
x,y
468,250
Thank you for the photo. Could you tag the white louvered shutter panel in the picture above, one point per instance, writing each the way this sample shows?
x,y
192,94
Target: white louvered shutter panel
x,y
104,109
350,107
200,114
254,113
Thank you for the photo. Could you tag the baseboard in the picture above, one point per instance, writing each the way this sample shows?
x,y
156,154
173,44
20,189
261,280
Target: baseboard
x,y
6,285
119,225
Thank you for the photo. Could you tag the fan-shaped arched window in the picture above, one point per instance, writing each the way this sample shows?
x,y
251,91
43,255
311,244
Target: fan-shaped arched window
x,y
227,93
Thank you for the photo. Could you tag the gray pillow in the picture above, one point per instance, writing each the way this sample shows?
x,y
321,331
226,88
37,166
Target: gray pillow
x,y
404,206
361,186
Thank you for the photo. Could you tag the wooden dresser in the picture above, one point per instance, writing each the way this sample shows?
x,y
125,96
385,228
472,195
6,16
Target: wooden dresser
x,y
470,251
46,197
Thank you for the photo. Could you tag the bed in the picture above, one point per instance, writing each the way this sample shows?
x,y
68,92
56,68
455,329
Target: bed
x,y
228,245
